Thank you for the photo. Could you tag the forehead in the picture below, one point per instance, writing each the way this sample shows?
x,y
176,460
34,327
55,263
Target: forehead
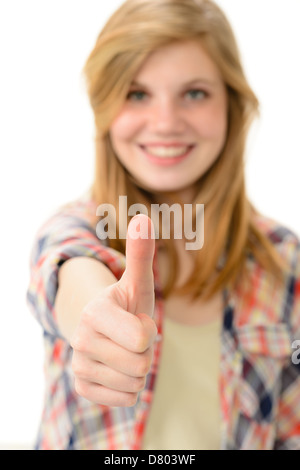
x,y
179,61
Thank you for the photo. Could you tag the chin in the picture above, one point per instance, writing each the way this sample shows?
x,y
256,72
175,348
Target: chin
x,y
162,189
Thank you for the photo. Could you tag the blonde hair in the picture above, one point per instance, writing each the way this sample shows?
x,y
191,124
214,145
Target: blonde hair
x,y
137,28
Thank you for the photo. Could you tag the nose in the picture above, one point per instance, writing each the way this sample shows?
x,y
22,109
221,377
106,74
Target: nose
x,y
167,117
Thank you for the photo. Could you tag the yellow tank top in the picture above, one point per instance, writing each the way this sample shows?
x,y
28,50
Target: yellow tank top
x,y
185,412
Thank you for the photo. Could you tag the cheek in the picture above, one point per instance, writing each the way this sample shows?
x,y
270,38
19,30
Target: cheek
x,y
211,122
124,127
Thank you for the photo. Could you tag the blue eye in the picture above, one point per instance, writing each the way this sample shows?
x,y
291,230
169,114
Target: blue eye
x,y
136,95
196,95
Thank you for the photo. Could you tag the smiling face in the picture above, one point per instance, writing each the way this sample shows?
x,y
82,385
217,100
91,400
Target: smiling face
x,y
173,125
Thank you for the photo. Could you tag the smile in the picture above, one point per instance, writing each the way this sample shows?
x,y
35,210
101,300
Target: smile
x,y
166,151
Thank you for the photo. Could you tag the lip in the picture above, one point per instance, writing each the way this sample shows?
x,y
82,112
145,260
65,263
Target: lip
x,y
168,161
166,144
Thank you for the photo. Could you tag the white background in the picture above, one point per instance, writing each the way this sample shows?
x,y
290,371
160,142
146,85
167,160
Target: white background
x,y
46,151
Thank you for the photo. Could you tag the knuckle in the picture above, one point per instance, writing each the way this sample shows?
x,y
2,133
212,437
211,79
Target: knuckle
x,y
141,340
130,399
77,367
78,342
86,317
145,333
138,384
143,364
81,338
81,388
154,329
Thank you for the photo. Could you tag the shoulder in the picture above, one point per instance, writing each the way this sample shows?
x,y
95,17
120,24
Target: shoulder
x,y
277,232
287,244
70,222
71,231
285,240
267,301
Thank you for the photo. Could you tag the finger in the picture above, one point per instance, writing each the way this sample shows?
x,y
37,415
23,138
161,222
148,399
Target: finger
x,y
132,332
140,247
138,275
103,395
102,349
92,371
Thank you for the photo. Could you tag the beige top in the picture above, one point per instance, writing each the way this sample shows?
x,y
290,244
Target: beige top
x,y
185,413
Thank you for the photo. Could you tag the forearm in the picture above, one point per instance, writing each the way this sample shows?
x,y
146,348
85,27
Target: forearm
x,y
80,279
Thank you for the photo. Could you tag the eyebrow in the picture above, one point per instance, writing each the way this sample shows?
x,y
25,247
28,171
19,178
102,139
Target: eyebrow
x,y
195,81
207,81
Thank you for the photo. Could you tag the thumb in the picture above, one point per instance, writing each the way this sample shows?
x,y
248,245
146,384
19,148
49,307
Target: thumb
x,y
138,275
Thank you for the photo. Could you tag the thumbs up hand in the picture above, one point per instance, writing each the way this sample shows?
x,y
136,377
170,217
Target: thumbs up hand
x,y
113,342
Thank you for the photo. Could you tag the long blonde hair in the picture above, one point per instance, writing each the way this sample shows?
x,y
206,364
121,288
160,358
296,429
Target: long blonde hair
x,y
137,28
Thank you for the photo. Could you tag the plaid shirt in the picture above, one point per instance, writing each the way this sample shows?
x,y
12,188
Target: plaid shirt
x,y
259,374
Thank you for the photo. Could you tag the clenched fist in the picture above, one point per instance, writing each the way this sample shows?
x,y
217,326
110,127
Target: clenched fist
x,y
113,342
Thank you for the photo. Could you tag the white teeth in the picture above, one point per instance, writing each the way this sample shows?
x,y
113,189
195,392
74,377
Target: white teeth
x,y
165,152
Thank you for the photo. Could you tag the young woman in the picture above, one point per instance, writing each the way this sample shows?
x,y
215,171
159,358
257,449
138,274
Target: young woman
x,y
150,345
